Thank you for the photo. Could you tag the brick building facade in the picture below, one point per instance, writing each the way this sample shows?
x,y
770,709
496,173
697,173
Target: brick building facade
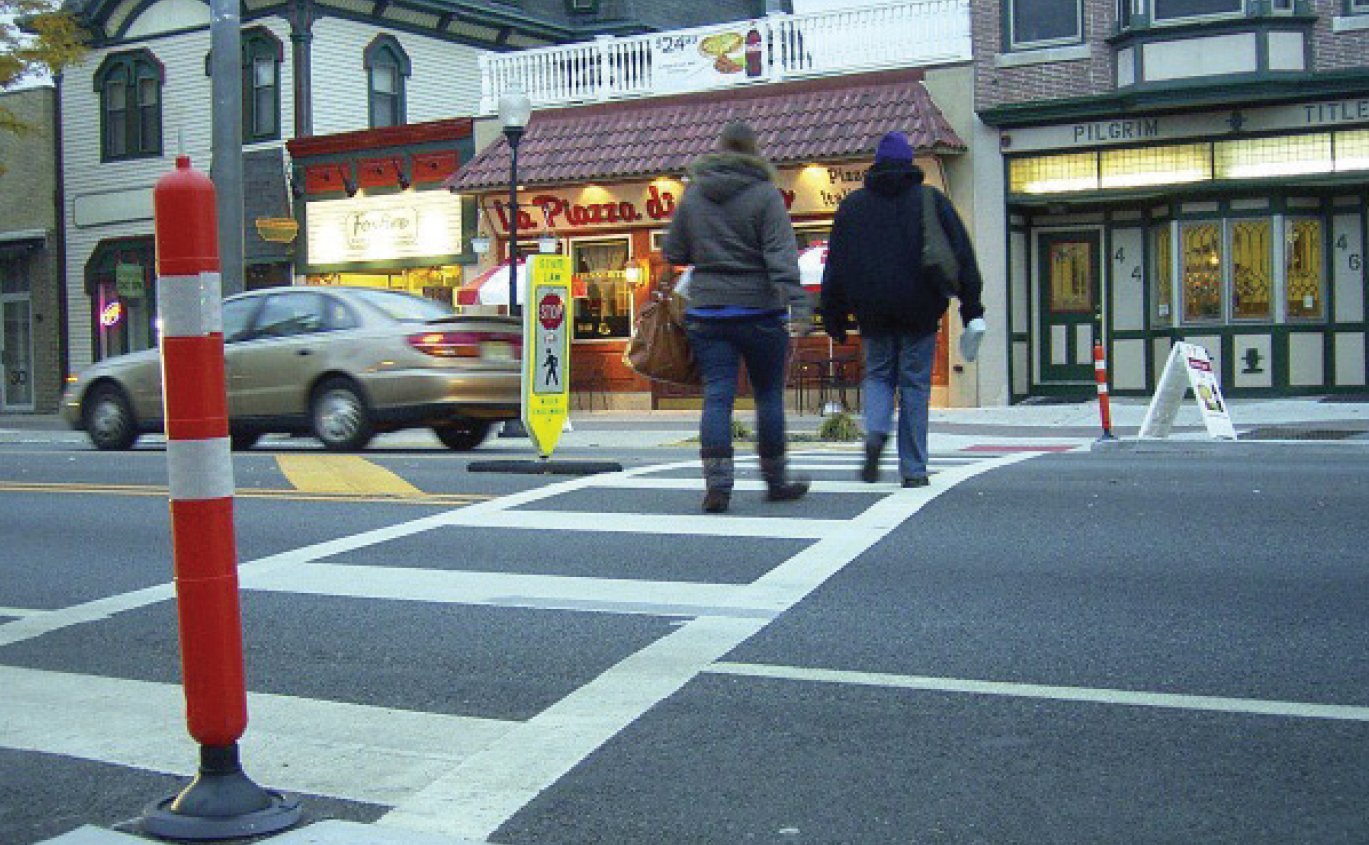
x,y
1180,170
32,365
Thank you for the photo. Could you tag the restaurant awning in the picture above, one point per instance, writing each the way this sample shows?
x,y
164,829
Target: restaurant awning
x,y
827,120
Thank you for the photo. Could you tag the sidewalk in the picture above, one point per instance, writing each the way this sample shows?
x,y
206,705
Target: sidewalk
x,y
1297,420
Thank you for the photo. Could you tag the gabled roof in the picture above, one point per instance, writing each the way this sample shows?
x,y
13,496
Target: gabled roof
x,y
826,120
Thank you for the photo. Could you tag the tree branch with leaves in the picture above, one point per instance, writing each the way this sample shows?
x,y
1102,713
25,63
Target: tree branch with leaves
x,y
37,39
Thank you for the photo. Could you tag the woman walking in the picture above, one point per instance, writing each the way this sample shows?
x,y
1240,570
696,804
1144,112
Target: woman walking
x,y
733,227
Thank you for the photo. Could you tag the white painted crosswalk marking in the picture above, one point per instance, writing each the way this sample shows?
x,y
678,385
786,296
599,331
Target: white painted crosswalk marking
x,y
1131,698
448,775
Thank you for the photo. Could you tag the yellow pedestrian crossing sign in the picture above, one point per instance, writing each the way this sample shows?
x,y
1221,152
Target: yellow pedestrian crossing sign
x,y
546,350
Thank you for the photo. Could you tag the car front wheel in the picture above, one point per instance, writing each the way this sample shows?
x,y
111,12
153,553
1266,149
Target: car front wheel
x,y
109,419
463,436
339,416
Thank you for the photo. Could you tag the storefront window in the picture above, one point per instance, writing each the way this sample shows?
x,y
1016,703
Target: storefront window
x,y
1261,158
1252,277
1230,270
1162,259
1352,150
119,279
603,292
438,283
1054,174
1165,165
1303,267
1202,271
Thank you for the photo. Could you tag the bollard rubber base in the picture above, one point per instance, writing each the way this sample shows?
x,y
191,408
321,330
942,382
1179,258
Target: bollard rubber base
x,y
545,467
221,803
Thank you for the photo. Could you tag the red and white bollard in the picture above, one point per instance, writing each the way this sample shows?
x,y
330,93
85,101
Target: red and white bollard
x,y
222,802
1100,374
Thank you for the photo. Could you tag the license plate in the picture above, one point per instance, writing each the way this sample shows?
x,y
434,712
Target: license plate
x,y
496,351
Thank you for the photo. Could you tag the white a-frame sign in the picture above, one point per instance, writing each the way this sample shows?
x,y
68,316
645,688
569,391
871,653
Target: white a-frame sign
x,y
1188,366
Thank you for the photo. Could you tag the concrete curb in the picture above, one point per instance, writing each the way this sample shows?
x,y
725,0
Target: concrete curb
x,y
1228,447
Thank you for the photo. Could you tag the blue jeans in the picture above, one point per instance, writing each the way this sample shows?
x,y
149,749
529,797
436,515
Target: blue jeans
x,y
902,365
720,345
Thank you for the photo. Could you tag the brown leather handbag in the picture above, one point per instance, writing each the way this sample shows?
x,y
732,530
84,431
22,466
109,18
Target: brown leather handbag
x,y
659,348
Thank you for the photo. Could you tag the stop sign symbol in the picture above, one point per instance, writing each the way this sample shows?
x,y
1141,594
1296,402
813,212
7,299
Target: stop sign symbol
x,y
551,310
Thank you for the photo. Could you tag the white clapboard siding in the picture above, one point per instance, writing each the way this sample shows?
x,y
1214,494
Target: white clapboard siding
x,y
187,99
444,83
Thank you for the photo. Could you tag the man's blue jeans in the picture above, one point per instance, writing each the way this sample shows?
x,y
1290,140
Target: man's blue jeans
x,y
720,345
900,365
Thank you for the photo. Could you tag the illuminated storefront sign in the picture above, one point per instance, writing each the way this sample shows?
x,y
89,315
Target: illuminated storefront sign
x,y
397,227
815,189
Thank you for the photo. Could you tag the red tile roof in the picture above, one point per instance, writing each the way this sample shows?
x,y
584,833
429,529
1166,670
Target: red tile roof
x,y
797,123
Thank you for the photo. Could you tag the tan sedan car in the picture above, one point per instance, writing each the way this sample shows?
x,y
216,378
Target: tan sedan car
x,y
340,363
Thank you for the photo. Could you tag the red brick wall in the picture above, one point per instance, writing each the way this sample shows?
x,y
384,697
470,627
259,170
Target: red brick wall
x,y
1337,50
996,86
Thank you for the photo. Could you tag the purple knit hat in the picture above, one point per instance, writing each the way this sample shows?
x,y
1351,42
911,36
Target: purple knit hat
x,y
893,147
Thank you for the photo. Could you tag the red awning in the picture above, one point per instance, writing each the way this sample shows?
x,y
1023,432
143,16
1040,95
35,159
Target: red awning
x,y
826,120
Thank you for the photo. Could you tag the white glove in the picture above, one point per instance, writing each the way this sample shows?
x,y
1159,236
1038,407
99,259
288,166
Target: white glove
x,y
971,338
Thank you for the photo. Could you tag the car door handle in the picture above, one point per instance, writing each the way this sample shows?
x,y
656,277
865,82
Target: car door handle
x,y
304,352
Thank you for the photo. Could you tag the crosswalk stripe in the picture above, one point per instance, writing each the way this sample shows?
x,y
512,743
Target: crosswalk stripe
x,y
609,595
1134,698
351,751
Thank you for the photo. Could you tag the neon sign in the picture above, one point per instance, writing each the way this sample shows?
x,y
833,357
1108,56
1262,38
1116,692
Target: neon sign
x,y
111,314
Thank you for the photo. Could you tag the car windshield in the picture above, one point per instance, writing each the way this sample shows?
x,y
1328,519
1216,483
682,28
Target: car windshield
x,y
405,307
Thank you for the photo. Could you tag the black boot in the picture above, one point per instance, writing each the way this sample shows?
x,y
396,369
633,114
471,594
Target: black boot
x,y
718,478
874,447
779,486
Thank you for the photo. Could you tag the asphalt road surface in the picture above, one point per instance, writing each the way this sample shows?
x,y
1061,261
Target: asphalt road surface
x,y
1081,647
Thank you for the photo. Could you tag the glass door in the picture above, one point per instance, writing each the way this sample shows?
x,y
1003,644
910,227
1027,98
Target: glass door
x,y
16,354
1069,271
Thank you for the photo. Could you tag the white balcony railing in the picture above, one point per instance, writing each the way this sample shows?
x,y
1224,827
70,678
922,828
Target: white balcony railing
x,y
910,33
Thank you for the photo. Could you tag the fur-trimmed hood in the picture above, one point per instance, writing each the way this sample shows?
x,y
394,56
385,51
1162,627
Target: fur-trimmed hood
x,y
721,176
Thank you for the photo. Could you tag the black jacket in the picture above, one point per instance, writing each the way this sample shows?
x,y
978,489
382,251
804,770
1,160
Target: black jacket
x,y
874,259
732,226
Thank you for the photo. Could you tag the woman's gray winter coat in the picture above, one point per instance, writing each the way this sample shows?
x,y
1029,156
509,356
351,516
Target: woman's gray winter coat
x,y
733,227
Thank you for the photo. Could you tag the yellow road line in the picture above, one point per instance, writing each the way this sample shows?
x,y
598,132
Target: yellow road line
x,y
342,474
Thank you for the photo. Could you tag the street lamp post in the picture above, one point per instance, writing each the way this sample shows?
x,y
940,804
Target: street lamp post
x,y
514,111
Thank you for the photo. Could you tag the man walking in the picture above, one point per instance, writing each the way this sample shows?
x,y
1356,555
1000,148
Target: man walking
x,y
874,271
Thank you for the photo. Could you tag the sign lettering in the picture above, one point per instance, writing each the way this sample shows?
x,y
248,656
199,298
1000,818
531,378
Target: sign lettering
x,y
1116,130
399,225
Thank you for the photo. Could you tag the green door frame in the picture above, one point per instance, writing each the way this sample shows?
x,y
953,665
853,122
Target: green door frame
x,y
1085,311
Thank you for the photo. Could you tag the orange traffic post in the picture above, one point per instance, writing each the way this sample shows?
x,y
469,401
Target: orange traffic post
x,y
1100,373
221,802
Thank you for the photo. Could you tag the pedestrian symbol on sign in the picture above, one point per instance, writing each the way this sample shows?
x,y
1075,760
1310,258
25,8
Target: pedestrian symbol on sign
x,y
550,365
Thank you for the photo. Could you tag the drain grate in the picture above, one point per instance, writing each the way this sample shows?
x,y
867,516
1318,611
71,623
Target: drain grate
x,y
1285,432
